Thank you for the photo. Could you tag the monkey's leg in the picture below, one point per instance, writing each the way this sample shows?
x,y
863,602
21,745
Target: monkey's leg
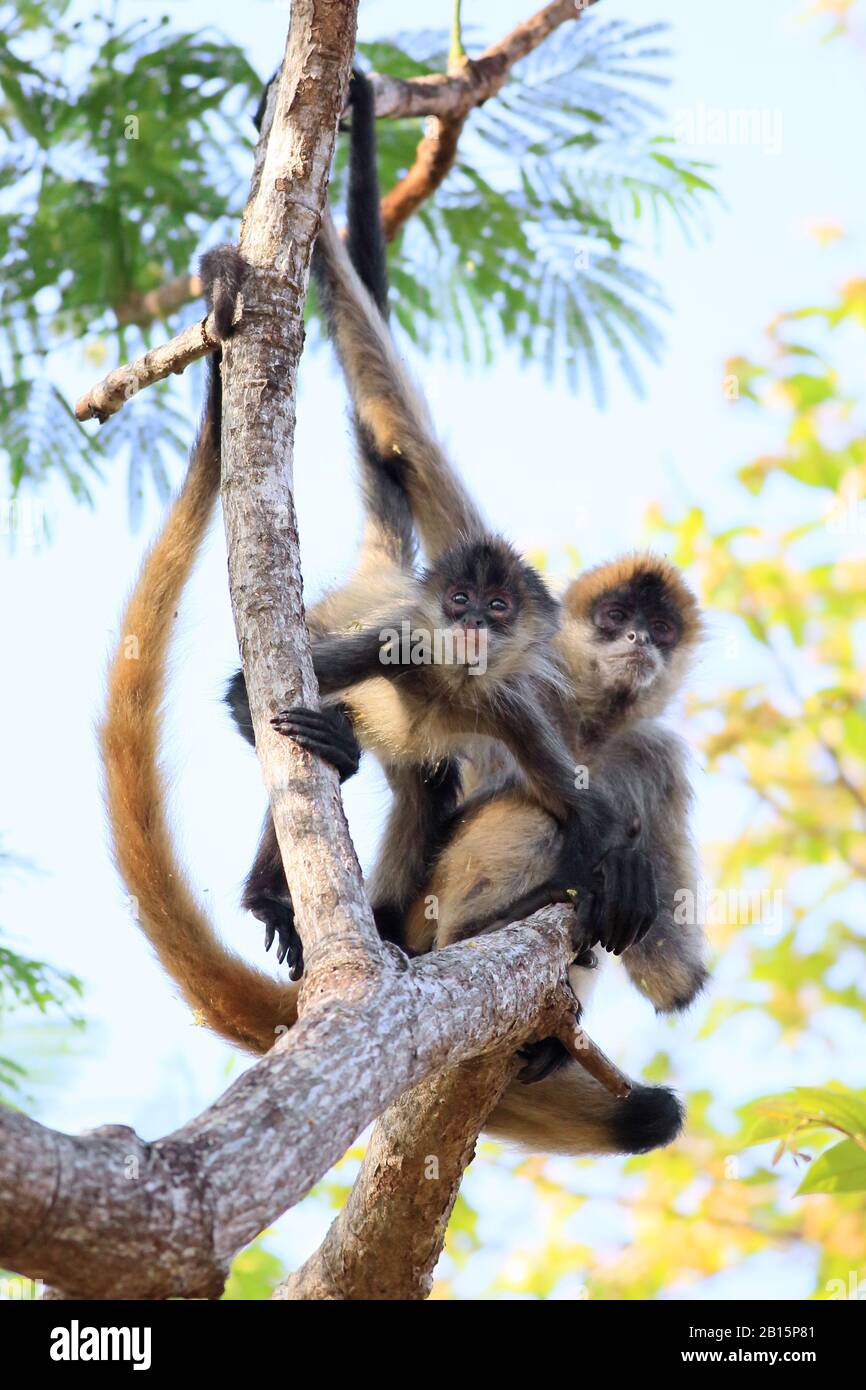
x,y
424,801
649,768
328,733
266,895
500,849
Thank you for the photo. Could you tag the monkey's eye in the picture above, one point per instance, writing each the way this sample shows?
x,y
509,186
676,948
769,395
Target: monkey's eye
x,y
662,631
460,599
499,605
616,615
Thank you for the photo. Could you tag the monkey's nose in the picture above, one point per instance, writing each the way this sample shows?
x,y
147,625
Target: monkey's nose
x,y
631,636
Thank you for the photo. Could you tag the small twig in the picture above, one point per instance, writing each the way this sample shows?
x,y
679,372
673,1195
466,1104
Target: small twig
x,y
161,302
107,396
458,49
434,158
579,1045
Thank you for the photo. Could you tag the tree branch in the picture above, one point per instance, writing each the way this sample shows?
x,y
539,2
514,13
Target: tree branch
x,y
448,98
455,94
109,1215
114,390
388,1237
260,362
434,159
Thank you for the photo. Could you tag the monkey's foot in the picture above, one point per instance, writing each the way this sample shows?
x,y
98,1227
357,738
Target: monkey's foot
x,y
325,732
542,1059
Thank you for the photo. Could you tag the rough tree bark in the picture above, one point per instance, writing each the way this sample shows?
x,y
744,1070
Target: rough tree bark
x,y
108,1215
386,1240
259,369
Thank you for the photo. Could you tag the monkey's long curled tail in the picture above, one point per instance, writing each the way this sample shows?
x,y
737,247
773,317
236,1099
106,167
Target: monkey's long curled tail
x,y
241,1004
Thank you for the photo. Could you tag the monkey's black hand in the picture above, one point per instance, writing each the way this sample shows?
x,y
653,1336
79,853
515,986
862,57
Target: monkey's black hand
x,y
326,732
625,902
279,922
543,1059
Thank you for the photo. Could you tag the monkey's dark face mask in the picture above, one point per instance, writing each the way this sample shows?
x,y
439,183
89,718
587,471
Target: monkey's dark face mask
x,y
637,629
490,596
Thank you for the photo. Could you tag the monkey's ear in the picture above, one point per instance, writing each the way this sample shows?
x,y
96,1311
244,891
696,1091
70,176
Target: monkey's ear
x,y
222,271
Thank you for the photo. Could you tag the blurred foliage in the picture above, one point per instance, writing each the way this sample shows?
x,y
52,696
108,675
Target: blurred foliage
x,y
121,168
527,239
255,1273
26,985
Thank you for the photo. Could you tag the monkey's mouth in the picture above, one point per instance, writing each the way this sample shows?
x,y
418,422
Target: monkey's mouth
x,y
640,665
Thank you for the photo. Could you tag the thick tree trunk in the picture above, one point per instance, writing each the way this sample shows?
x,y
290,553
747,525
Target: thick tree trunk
x,y
259,371
388,1237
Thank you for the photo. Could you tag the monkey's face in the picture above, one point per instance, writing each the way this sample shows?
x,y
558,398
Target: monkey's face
x,y
489,596
636,628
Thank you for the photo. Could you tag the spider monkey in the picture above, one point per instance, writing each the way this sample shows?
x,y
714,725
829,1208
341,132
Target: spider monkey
x,y
569,1112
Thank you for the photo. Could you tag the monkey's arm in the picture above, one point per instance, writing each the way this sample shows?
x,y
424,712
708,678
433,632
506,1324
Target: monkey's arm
x,y
326,732
648,767
533,727
349,659
425,799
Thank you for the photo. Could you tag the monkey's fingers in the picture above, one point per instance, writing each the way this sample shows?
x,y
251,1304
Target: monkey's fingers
x,y
629,896
296,959
626,911
324,733
542,1060
640,901
586,928
290,949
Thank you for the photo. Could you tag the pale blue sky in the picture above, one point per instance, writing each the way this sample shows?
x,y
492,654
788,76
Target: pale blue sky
x,y
552,470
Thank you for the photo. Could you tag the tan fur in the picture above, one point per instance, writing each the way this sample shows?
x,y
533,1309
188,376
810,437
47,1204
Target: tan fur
x,y
389,406
496,855
240,1003
582,592
505,846
569,1113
